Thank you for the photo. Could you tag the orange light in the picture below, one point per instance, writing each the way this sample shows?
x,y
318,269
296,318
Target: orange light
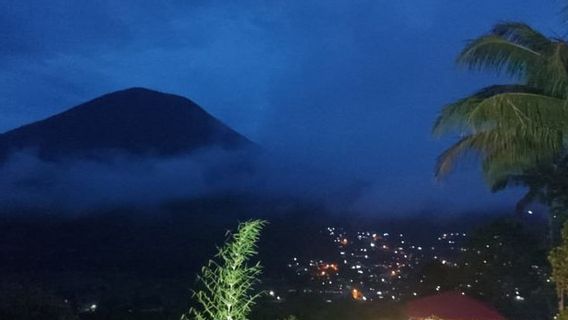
x,y
327,268
356,294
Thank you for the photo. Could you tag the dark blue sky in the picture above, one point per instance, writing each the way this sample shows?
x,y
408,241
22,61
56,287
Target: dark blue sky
x,y
350,85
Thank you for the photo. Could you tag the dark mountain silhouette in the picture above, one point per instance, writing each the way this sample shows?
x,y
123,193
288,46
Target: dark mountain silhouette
x,y
136,121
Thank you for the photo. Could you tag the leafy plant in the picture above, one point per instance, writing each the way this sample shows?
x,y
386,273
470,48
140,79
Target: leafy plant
x,y
227,281
562,315
559,261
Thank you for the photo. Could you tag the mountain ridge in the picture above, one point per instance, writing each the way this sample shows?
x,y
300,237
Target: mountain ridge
x,y
136,120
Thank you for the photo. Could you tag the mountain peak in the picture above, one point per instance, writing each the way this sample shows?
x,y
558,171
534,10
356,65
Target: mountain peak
x,y
139,91
135,120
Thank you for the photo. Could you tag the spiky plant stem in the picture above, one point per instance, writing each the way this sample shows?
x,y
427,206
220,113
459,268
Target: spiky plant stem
x,y
227,281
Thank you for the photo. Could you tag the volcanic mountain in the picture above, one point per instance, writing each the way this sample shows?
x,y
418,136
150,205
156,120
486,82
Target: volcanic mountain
x,y
135,121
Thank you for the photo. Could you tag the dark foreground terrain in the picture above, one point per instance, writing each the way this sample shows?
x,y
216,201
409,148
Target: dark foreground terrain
x,y
133,263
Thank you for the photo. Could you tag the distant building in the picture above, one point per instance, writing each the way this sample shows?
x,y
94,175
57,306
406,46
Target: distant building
x,y
450,306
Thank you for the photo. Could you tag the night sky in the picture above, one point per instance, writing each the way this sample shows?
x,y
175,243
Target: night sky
x,y
351,86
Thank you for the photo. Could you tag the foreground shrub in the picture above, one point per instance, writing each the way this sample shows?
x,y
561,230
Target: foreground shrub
x,y
227,281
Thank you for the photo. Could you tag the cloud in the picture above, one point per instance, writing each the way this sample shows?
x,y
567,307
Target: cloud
x,y
128,180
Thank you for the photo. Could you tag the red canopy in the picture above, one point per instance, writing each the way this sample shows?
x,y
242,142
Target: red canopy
x,y
451,306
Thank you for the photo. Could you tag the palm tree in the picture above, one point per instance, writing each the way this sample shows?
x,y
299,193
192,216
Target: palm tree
x,y
515,127
519,130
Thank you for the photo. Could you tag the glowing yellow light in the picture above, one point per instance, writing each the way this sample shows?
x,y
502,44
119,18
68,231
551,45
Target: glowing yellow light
x,y
356,294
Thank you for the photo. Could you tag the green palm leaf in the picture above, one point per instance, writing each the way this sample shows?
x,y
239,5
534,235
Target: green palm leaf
x,y
503,151
512,47
521,52
455,116
531,111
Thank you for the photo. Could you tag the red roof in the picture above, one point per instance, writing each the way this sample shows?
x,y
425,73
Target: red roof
x,y
451,306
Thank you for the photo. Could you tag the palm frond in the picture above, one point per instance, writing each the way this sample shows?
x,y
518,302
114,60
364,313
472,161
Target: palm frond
x,y
523,34
525,109
503,151
497,54
455,116
447,160
552,76
522,52
514,151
